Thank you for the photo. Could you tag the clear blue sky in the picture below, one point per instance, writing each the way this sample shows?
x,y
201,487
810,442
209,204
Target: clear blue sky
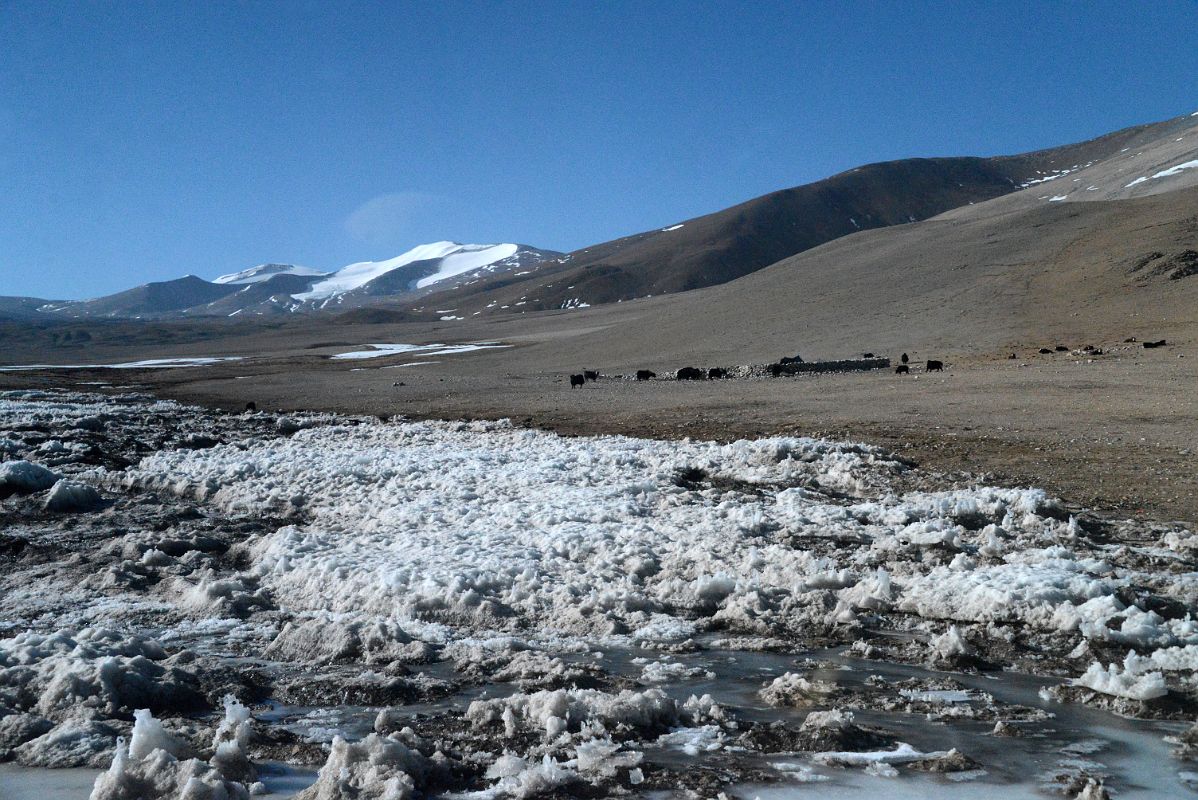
x,y
144,141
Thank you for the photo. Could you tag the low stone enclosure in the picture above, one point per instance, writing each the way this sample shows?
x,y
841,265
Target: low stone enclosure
x,y
849,365
777,370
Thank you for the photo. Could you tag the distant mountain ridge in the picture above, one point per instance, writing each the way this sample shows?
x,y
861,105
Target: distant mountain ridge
x,y
270,289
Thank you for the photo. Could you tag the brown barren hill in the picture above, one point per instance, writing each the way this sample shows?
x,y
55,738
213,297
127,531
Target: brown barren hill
x,y
728,244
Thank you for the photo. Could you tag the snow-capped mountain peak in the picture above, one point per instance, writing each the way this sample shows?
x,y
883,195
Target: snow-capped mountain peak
x,y
441,260
288,289
264,272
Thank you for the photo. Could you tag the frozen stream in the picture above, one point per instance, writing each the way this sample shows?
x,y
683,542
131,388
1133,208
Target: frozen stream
x,y
212,605
1014,767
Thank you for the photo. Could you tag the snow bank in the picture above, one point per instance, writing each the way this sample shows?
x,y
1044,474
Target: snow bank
x,y
73,743
552,713
71,496
1132,680
792,689
161,776
455,531
153,764
950,643
93,671
903,753
231,742
24,477
376,768
519,779
472,525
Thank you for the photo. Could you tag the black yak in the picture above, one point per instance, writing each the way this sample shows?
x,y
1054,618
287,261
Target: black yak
x,y
935,366
716,373
690,374
902,369
590,374
645,375
577,380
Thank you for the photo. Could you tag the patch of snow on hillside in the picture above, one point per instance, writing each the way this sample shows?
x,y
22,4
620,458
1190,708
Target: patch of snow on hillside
x,y
1056,198
672,227
1165,173
264,272
454,259
1048,177
380,350
468,258
150,363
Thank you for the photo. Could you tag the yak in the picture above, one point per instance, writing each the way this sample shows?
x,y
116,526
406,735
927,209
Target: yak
x,y
935,366
902,369
645,375
577,380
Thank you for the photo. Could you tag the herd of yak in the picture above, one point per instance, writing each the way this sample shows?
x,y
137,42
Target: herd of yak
x,y
776,370
719,373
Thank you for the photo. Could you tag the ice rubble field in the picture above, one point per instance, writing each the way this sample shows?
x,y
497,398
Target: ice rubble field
x,y
484,527
317,543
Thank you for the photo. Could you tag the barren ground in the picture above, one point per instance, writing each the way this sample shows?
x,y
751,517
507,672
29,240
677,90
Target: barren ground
x,y
1117,432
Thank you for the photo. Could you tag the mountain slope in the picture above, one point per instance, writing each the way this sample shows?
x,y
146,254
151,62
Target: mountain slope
x,y
263,297
728,244
977,281
148,300
20,307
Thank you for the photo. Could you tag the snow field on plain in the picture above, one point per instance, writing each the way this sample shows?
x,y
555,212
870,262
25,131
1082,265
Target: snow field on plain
x,y
381,350
484,527
150,363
